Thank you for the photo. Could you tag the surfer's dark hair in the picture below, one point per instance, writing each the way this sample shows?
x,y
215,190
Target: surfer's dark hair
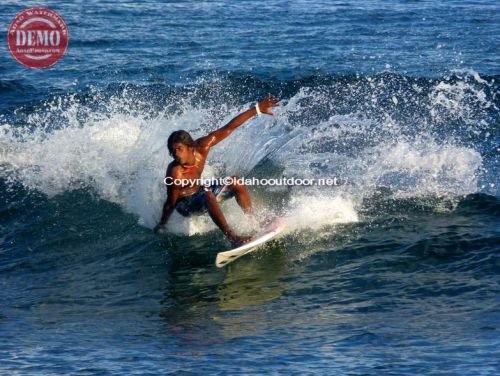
x,y
179,137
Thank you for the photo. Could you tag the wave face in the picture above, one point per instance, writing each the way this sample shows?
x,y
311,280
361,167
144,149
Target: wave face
x,y
416,138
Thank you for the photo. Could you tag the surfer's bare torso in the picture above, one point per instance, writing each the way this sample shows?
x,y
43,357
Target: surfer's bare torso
x,y
189,172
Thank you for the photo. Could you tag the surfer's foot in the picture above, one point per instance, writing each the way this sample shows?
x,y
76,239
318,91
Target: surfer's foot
x,y
238,241
265,222
253,222
258,224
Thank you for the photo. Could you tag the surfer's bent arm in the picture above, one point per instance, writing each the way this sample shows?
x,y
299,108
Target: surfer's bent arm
x,y
220,134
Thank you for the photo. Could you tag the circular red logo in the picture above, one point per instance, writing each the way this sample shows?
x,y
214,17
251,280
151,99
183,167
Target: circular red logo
x,y
38,37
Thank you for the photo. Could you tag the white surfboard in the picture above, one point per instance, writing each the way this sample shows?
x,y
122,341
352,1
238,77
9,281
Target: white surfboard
x,y
273,229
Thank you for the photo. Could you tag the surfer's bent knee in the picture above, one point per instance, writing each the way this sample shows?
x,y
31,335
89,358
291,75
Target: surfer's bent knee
x,y
236,182
209,196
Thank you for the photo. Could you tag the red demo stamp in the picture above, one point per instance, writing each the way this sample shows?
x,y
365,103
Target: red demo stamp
x,y
38,37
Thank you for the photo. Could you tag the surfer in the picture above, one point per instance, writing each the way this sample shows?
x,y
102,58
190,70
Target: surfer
x,y
189,160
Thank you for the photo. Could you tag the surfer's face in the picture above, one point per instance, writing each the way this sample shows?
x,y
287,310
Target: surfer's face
x,y
182,152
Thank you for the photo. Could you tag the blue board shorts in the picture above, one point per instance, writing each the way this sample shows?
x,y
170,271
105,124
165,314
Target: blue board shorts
x,y
197,203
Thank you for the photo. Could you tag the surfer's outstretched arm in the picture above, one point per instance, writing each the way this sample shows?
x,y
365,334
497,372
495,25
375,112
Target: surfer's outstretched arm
x,y
220,134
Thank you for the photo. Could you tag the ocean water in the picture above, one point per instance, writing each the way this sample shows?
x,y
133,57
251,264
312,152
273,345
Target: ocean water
x,y
395,271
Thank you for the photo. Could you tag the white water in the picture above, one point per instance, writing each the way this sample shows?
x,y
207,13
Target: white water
x,y
121,155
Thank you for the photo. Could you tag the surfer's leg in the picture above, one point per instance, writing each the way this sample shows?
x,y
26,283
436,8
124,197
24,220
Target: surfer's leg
x,y
218,217
242,196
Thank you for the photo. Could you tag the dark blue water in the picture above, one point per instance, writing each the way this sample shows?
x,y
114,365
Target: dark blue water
x,y
393,272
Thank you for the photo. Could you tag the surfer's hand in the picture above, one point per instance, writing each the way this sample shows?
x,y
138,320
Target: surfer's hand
x,y
267,104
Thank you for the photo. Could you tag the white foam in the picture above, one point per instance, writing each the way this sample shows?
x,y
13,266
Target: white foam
x,y
424,168
121,154
313,210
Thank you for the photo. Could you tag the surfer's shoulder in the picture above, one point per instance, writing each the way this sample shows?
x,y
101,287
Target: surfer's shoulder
x,y
174,169
201,145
